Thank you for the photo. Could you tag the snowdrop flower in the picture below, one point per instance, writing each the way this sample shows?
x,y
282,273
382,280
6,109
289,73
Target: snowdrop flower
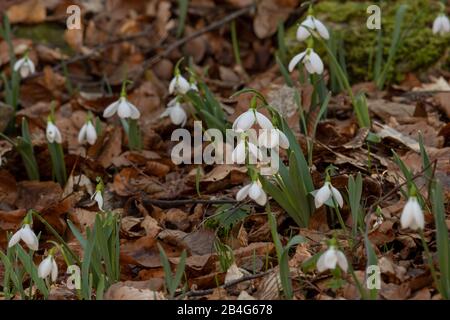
x,y
52,132
24,66
412,215
87,133
176,113
255,191
332,258
310,59
239,154
98,194
441,25
26,234
179,85
124,109
246,120
48,267
309,25
272,138
326,193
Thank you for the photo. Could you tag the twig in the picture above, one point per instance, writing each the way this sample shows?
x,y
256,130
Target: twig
x,y
199,293
174,203
182,41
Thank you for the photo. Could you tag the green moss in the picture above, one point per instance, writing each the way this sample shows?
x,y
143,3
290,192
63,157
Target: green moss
x,y
48,33
420,50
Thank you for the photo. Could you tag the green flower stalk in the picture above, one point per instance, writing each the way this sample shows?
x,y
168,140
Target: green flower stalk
x,y
55,148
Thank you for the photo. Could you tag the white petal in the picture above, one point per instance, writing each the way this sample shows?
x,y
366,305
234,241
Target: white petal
x,y
58,137
124,110
342,261
445,24
238,154
284,141
172,85
437,25
302,32
263,121
82,134
321,263
268,138
31,66
51,132
255,191
243,192
309,67
254,151
244,122
321,29
262,199
330,258
54,270
19,64
45,268
30,238
316,62
322,195
99,199
178,115
337,196
134,112
183,85
111,109
295,60
24,70
16,237
91,133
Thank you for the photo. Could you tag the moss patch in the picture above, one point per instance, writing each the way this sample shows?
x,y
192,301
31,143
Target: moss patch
x,y
420,50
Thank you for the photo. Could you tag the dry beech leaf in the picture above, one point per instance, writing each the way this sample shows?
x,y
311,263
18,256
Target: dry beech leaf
x,y
30,11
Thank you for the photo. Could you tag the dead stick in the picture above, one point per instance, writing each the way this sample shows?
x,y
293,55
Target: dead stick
x,y
199,293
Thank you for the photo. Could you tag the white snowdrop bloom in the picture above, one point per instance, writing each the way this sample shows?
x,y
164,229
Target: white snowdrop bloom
x,y
441,25
25,67
412,215
98,197
310,60
272,138
87,133
179,85
238,155
253,190
124,108
52,132
312,24
176,113
246,120
27,235
332,258
326,193
48,267
193,86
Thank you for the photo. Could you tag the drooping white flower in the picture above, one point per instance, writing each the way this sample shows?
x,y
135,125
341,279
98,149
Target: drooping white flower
x,y
87,133
326,193
255,191
412,215
272,138
246,120
48,267
332,258
310,60
124,108
239,153
179,85
26,234
312,24
52,132
176,113
98,197
441,25
25,67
